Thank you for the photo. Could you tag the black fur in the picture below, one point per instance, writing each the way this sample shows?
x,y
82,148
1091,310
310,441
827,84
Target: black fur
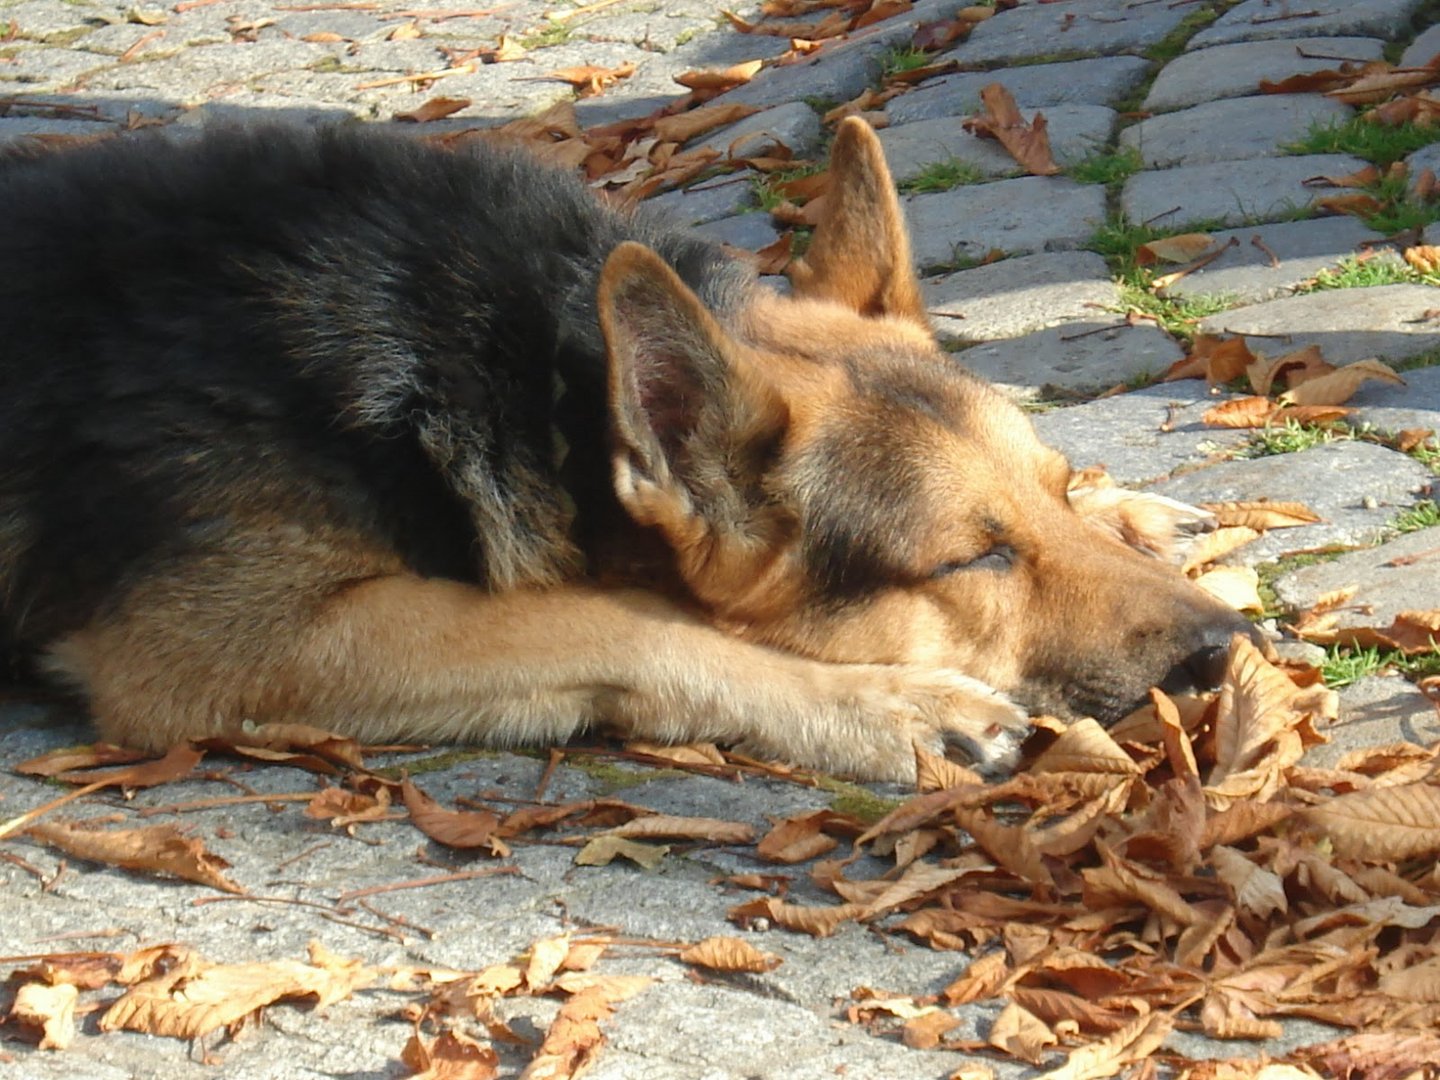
x,y
352,329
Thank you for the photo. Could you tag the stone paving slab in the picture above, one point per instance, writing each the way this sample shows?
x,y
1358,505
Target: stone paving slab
x,y
1100,81
1422,49
1015,296
1032,213
1236,70
1144,436
1400,575
1092,27
1234,193
1301,249
794,126
1232,129
1076,133
1357,489
1396,408
1255,20
1082,356
1389,321
1378,711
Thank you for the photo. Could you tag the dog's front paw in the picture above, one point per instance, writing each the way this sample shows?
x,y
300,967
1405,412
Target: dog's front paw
x,y
948,711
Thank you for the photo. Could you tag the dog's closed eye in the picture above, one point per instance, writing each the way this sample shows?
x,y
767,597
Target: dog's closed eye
x,y
1000,557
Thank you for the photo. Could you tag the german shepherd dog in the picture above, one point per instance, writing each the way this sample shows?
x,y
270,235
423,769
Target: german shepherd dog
x,y
333,426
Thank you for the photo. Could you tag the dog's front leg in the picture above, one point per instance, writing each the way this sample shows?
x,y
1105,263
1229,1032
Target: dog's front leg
x,y
443,661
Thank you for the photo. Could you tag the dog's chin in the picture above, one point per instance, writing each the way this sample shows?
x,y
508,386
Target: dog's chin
x,y
1073,702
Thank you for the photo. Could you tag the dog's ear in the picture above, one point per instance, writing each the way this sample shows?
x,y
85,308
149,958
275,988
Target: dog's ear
x,y
860,256
690,413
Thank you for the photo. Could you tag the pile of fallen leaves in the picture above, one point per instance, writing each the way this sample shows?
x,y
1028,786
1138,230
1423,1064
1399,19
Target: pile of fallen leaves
x,y
1184,870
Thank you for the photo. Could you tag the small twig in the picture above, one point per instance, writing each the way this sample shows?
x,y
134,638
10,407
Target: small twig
x,y
305,854
134,50
229,800
422,883
1274,259
1284,16
557,755
29,868
25,820
440,14
1092,331
397,920
419,77
598,5
1157,217
1306,54
1255,333
1164,281
73,935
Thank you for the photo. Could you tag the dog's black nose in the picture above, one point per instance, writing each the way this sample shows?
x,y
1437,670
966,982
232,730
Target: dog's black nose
x,y
1204,669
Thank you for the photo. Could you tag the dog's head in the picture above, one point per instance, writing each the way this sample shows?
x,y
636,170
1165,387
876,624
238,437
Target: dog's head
x,y
833,484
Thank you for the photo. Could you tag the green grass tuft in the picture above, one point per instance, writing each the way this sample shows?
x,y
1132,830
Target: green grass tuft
x,y
1108,167
1352,273
898,60
942,176
1423,515
1292,438
1381,144
1173,43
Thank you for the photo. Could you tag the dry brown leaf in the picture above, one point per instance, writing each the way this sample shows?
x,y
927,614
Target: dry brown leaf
x,y
1021,1034
574,1038
1424,258
815,921
452,1055
178,762
1376,1054
546,958
1389,823
982,979
936,773
1262,514
155,849
1377,85
1293,367
704,753
730,954
1134,1042
1000,119
671,827
1257,892
70,759
1085,747
682,127
604,848
590,79
49,1010
463,829
1339,386
1358,203
193,999
1216,545
436,108
300,745
342,808
720,79
1175,249
928,1031
1237,587
1009,845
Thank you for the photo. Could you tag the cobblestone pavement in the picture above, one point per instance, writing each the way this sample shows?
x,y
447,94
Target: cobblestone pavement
x,y
1167,90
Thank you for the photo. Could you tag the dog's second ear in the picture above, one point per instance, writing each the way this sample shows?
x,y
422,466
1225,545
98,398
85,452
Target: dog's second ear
x,y
690,415
860,256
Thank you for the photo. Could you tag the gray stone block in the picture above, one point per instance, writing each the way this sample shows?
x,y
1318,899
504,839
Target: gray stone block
x,y
1032,213
1231,130
1100,81
1400,575
1234,193
1078,356
1015,296
1423,49
751,231
1427,157
1076,132
1226,71
836,73
1256,20
1094,27
1302,249
795,126
1396,408
1143,436
1389,321
1355,487
709,202
1377,711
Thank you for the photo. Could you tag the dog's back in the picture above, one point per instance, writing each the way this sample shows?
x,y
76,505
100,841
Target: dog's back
x,y
336,329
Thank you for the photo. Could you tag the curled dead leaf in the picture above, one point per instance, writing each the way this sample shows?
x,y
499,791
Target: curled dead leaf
x,y
730,954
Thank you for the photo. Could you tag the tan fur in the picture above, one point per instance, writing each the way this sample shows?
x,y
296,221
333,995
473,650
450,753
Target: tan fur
x,y
276,624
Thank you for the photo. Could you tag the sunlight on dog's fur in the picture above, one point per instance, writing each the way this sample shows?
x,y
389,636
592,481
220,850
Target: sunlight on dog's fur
x,y
277,442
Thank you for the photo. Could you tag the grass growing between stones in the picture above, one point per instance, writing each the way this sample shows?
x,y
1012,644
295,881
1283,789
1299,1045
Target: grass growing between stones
x,y
1271,572
897,61
1344,665
1173,43
1352,273
1109,167
1293,438
767,186
942,176
1117,241
557,33
1423,515
1381,144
